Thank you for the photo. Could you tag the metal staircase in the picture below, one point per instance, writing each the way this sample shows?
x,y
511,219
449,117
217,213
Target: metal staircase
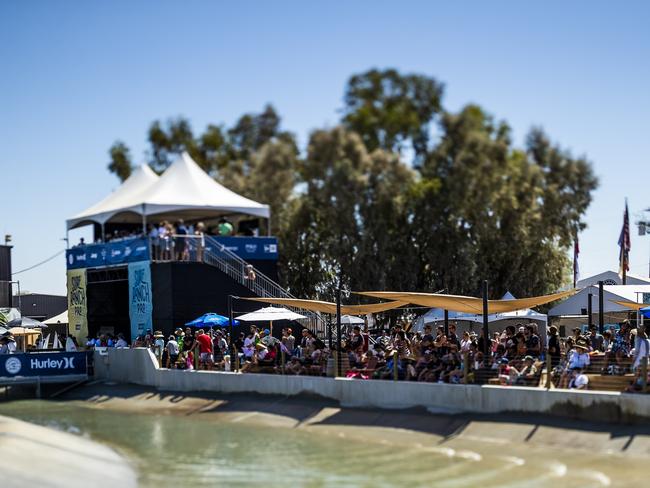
x,y
216,254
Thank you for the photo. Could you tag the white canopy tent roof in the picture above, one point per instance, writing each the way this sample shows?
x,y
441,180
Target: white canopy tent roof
x,y
183,190
612,278
62,318
127,195
576,304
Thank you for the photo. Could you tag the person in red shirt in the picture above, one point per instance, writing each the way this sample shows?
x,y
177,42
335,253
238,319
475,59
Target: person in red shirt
x,y
204,342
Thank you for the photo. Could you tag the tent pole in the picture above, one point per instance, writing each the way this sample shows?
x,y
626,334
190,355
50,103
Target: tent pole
x,y
233,349
338,330
589,308
486,331
144,220
446,322
103,232
601,307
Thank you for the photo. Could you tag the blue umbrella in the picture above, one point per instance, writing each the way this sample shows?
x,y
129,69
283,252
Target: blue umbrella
x,y
646,312
211,320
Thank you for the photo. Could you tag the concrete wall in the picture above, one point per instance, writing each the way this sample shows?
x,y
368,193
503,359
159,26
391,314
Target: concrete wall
x,y
140,367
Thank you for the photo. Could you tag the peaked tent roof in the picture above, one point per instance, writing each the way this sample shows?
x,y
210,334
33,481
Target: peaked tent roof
x,y
612,278
611,295
126,195
183,190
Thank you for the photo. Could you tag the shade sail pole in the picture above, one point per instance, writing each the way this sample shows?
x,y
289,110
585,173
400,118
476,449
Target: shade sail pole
x,y
338,329
144,219
601,307
486,331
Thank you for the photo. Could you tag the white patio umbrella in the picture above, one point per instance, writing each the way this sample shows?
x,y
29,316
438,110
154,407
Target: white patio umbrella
x,y
351,320
270,314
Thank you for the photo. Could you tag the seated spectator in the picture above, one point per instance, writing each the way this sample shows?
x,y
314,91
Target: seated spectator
x,y
579,380
527,375
596,341
533,343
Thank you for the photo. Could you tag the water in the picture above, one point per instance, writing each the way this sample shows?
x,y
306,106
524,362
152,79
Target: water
x,y
201,450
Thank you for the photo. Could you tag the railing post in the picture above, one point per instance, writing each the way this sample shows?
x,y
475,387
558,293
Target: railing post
x,y
549,370
395,369
465,367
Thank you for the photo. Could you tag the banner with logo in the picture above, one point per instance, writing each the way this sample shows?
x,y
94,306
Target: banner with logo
x,y
77,304
44,364
140,301
110,253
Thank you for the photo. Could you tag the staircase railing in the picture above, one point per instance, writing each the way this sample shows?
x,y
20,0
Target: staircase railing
x,y
210,251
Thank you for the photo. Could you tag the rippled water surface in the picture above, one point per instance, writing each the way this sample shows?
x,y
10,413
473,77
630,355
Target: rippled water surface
x,y
196,450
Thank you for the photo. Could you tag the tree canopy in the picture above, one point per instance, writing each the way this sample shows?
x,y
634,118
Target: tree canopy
x,y
467,205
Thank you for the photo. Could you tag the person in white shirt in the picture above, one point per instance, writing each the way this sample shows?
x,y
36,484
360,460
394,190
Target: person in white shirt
x,y
579,380
641,348
249,346
121,342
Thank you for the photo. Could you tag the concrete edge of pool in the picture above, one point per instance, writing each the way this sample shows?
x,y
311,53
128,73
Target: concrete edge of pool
x,y
41,456
139,366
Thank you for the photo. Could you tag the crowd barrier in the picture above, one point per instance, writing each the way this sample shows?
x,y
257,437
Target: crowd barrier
x,y
140,366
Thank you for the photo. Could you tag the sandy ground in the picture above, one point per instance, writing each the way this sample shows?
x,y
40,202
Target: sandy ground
x,y
403,427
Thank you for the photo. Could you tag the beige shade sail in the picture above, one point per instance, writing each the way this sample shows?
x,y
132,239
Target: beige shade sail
x,y
458,303
631,305
329,307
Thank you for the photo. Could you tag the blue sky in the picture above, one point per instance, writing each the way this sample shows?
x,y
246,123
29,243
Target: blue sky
x,y
78,75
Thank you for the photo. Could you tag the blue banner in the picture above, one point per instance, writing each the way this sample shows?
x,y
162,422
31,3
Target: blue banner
x,y
140,301
109,254
44,364
247,248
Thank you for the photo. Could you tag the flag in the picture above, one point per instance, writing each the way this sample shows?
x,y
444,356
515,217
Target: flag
x,y
576,269
624,244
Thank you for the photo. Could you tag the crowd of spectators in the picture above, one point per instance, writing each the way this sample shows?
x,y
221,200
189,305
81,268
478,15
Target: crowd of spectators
x,y
517,355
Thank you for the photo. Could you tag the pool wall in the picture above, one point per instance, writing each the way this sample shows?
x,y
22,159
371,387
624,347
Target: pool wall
x,y
139,366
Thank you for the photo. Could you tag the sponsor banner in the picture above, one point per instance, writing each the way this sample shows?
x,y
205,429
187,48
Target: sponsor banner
x,y
140,298
111,253
43,364
247,248
77,304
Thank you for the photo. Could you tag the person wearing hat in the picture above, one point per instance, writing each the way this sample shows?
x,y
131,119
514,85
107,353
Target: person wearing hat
x,y
527,374
172,351
578,359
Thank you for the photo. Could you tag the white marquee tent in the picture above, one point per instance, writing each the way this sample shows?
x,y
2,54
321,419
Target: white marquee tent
x,y
612,278
184,190
577,304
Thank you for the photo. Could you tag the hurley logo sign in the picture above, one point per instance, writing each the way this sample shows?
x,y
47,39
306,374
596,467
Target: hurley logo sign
x,y
63,363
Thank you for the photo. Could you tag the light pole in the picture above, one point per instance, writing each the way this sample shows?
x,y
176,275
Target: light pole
x,y
644,228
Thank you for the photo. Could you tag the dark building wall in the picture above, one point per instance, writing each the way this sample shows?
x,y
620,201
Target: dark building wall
x,y
5,276
40,306
184,291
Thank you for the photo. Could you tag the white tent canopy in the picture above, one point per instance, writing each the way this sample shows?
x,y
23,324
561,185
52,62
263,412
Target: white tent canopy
x,y
183,190
129,194
62,318
612,278
576,304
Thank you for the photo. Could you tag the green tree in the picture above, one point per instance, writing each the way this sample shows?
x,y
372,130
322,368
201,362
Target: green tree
x,y
272,179
120,164
389,109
